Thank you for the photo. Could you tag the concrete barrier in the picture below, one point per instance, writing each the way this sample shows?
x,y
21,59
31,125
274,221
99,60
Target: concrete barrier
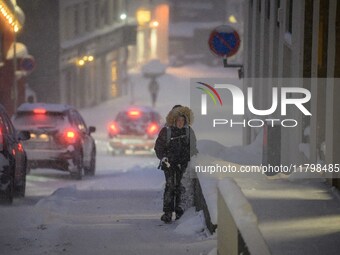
x,y
238,231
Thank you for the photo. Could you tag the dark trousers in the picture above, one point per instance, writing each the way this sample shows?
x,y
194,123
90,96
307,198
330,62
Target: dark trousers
x,y
173,189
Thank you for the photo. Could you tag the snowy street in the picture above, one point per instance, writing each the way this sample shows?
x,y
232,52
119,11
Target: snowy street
x,y
118,210
169,127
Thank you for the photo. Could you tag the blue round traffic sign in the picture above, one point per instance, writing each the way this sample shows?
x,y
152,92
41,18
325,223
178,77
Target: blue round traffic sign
x,y
224,41
27,64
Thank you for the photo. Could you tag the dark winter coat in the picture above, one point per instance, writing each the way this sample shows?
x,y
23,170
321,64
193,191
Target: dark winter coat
x,y
182,144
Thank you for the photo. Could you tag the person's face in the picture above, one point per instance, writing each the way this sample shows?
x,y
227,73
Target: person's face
x,y
180,122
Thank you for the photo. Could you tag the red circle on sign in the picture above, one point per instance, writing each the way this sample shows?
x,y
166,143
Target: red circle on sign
x,y
224,41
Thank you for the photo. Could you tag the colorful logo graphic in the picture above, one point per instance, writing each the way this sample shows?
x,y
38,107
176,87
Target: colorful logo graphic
x,y
243,103
204,96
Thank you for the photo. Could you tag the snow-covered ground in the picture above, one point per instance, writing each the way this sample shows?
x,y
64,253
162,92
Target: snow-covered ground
x,y
117,211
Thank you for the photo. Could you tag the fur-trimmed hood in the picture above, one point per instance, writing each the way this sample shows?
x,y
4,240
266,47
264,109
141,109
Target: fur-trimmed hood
x,y
177,112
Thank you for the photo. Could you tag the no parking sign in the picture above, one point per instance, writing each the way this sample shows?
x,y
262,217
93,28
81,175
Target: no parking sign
x,y
224,41
27,63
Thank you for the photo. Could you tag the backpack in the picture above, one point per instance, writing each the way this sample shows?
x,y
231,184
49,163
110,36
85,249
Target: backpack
x,y
169,138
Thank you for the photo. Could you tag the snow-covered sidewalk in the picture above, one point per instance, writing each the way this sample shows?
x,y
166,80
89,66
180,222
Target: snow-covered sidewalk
x,y
116,212
296,214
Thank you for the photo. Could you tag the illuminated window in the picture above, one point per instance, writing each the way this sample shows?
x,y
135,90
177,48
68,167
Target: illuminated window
x,y
114,76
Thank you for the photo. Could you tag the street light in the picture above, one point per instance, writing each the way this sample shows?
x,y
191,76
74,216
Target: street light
x,y
84,60
123,16
232,19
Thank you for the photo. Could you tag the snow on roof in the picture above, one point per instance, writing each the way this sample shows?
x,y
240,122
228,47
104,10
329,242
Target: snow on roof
x,y
27,107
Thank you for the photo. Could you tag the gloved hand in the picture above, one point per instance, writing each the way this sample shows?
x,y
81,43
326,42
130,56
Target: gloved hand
x,y
165,163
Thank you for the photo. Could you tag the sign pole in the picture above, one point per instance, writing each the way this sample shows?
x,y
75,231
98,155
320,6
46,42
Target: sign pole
x,y
224,42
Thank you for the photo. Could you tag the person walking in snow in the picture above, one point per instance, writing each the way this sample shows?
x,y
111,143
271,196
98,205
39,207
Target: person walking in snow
x,y
175,145
153,89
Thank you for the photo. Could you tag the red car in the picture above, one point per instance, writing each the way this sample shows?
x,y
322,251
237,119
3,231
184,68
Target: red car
x,y
135,128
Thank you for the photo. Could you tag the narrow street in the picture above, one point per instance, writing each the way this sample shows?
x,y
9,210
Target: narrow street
x,y
115,212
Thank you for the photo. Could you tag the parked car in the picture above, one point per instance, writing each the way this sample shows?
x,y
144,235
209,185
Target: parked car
x,y
13,162
59,140
135,128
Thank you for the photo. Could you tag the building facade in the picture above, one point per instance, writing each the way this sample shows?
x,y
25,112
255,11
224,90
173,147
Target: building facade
x,y
80,48
12,55
297,39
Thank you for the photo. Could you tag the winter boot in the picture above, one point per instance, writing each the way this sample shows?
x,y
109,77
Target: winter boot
x,y
166,217
179,213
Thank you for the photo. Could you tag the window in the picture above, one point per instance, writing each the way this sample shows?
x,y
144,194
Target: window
x,y
7,125
76,20
77,120
104,12
86,17
268,9
260,6
115,11
1,49
97,14
278,13
289,17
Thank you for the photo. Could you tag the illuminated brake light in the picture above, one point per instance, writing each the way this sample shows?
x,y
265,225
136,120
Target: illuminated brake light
x,y
70,136
1,141
152,129
39,111
113,128
20,148
134,113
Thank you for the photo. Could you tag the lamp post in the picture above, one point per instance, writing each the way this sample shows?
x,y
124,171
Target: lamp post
x,y
15,81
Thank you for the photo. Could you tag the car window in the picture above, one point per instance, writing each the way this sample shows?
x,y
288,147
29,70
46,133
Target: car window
x,y
6,126
2,125
49,119
78,121
156,117
123,117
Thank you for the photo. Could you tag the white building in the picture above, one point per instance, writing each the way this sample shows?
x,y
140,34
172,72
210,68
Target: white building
x,y
297,39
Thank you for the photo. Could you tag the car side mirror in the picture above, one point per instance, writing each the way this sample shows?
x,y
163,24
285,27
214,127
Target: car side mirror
x,y
24,135
92,129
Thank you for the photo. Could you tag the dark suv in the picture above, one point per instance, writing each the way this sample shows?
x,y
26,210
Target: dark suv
x,y
13,162
135,128
59,140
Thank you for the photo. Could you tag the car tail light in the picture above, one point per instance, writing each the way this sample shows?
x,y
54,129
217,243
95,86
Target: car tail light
x,y
70,136
39,111
1,141
134,114
152,129
20,147
113,128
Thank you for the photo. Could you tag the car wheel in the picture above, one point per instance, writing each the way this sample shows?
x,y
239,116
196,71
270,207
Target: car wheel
x,y
78,164
21,189
92,169
8,193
